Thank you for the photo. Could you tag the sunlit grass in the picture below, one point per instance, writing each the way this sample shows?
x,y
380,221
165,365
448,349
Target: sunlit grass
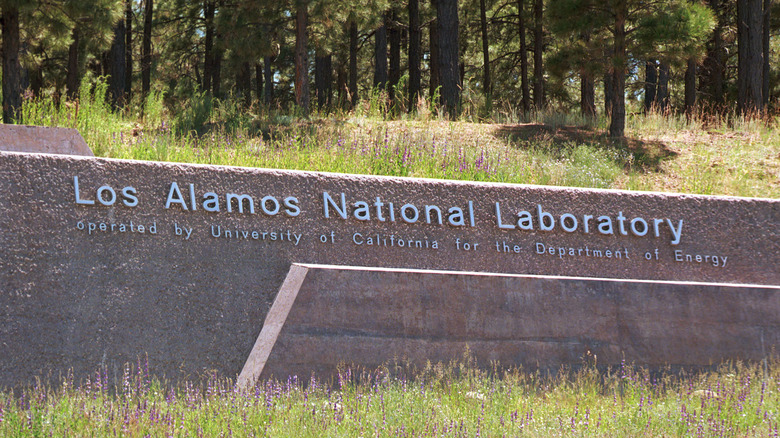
x,y
436,401
706,154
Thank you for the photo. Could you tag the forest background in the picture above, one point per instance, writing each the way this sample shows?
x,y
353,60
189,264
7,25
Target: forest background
x,y
486,54
676,95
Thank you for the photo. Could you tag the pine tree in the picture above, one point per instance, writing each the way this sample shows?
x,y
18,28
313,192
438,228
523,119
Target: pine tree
x,y
117,66
344,29
765,44
12,87
539,99
269,80
587,84
92,31
415,53
714,65
485,56
209,10
523,56
394,65
690,87
447,20
651,83
669,29
582,55
301,55
323,79
750,56
435,58
128,49
352,27
380,56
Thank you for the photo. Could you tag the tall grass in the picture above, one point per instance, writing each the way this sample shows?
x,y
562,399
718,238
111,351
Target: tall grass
x,y
377,151
716,153
705,154
437,401
90,114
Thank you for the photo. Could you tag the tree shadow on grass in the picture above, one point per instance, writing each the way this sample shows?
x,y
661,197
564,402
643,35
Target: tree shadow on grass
x,y
647,154
273,128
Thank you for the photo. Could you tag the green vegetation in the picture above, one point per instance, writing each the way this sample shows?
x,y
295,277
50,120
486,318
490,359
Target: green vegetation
x,y
215,82
437,400
727,155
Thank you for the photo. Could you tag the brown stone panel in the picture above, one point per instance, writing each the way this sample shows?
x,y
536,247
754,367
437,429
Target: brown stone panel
x,y
43,140
369,318
74,299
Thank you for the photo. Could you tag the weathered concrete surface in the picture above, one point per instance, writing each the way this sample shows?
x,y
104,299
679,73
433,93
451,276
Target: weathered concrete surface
x,y
74,299
370,317
43,140
273,325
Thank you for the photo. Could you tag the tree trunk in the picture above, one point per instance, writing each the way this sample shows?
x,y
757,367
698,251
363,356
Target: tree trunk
x,y
523,57
394,73
248,89
690,88
269,80
245,78
651,83
216,73
587,94
415,53
302,56
463,48
587,86
259,83
24,73
750,57
609,92
329,80
321,78
447,17
72,78
102,69
539,101
713,66
12,93
435,67
662,92
117,69
128,49
486,87
239,88
765,46
380,56
341,84
36,81
208,51
353,49
617,125
99,68
146,69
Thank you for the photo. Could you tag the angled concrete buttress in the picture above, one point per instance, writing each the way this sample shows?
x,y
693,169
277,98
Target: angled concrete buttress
x,y
328,316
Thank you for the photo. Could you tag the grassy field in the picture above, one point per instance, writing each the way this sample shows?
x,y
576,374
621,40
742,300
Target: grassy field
x,y
724,155
438,401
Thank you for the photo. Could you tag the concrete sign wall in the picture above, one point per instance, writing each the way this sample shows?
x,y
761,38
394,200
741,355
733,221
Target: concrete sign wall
x,y
104,260
330,316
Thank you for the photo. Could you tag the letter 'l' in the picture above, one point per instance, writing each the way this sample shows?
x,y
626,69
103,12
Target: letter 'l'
x,y
498,219
78,199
